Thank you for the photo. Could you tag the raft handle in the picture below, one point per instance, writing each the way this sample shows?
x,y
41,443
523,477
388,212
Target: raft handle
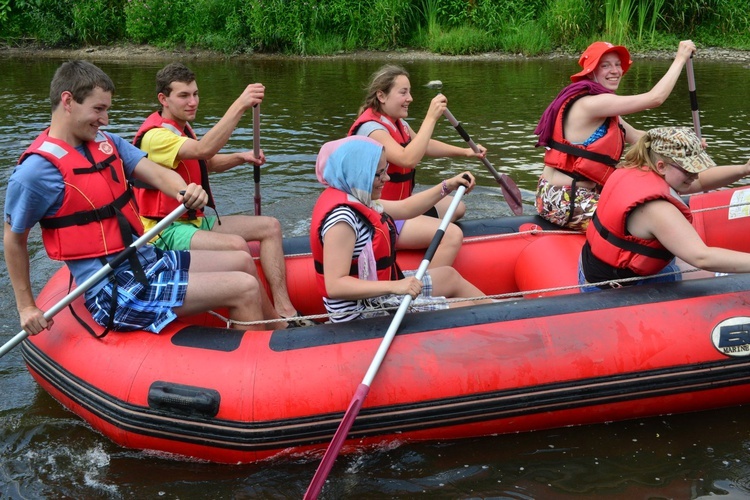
x,y
184,399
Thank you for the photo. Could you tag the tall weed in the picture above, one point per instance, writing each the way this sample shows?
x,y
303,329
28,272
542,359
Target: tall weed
x,y
148,21
617,17
527,38
279,25
568,20
462,41
98,21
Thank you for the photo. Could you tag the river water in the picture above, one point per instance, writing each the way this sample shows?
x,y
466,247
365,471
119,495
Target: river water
x,y
45,451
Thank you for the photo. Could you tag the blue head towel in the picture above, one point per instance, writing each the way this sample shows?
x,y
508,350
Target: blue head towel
x,y
349,165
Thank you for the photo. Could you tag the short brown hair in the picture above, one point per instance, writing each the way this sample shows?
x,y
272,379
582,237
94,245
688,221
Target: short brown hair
x,y
172,72
80,78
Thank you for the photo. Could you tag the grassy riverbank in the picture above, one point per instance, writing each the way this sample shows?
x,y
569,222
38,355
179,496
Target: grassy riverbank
x,y
330,27
127,52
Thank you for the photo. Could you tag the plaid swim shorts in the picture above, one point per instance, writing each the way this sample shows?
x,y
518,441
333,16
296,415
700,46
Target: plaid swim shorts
x,y
424,301
144,308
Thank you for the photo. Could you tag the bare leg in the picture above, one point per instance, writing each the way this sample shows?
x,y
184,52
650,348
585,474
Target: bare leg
x,y
221,279
219,241
442,208
417,233
447,282
266,231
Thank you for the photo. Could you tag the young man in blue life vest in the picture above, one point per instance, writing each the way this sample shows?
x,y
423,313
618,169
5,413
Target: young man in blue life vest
x,y
168,139
73,180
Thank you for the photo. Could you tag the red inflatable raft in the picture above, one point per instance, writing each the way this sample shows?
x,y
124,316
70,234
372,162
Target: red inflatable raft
x,y
549,357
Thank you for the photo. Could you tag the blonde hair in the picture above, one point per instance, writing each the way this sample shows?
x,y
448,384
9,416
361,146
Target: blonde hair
x,y
640,156
381,80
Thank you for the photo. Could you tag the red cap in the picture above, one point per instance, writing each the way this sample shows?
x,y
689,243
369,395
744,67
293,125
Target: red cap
x,y
592,55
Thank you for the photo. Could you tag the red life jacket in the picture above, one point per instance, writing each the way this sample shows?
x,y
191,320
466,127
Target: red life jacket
x,y
401,183
607,235
97,216
154,204
594,162
383,240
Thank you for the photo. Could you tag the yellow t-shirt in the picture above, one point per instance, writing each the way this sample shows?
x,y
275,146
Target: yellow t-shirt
x,y
162,146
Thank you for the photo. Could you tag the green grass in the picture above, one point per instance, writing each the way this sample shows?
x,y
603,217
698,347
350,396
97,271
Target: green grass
x,y
329,26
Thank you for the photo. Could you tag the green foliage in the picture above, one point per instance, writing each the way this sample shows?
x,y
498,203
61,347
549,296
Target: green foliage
x,y
568,20
687,15
461,41
98,21
455,13
618,15
147,21
731,17
4,11
330,26
277,25
429,9
213,24
494,16
527,38
325,45
49,21
727,26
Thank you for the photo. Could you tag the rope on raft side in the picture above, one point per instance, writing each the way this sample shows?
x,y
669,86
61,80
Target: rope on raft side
x,y
501,297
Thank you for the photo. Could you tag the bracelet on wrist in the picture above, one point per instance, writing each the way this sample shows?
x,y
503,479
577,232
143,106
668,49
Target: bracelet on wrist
x,y
444,189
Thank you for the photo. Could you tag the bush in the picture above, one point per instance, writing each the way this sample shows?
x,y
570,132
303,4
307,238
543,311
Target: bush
x,y
567,20
463,40
49,22
327,26
529,39
98,21
147,21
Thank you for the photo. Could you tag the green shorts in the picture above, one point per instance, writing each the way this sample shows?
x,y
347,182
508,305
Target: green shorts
x,y
178,235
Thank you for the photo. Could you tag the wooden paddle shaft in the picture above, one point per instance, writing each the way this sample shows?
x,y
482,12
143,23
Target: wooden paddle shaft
x,y
256,152
510,191
693,97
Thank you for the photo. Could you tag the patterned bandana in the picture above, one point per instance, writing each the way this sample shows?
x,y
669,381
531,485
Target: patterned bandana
x,y
682,145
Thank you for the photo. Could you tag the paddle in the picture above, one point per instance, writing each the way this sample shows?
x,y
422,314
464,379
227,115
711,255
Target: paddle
x,y
693,97
94,278
256,152
361,393
510,191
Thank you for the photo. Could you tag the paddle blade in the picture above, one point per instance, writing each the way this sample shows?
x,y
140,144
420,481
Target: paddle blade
x,y
337,442
511,193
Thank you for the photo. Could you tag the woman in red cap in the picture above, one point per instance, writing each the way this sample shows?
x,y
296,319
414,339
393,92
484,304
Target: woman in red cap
x,y
584,133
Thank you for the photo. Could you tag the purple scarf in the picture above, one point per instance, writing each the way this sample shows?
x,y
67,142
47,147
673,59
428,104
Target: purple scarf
x,y
547,121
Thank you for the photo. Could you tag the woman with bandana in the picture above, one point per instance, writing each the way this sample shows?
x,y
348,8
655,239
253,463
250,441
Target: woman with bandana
x,y
353,236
